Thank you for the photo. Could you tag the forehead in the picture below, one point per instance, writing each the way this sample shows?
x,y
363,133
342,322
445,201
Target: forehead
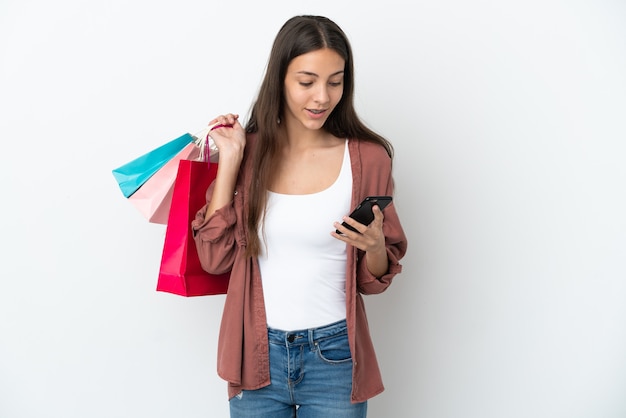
x,y
320,62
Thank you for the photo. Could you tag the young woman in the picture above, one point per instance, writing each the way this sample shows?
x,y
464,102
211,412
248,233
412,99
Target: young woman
x,y
294,334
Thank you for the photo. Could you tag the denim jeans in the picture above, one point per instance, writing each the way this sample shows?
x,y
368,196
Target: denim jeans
x,y
311,377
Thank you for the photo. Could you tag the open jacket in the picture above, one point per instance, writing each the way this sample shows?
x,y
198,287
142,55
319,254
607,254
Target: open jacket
x,y
243,351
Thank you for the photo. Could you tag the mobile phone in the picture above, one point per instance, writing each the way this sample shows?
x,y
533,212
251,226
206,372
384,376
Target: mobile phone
x,y
363,212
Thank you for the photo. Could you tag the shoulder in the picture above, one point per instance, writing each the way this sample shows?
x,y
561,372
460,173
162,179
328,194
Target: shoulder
x,y
371,168
369,152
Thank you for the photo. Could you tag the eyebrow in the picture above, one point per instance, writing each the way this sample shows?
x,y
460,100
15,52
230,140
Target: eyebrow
x,y
316,75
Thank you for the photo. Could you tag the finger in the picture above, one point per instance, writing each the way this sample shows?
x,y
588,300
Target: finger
x,y
343,233
359,227
350,237
378,214
230,118
226,119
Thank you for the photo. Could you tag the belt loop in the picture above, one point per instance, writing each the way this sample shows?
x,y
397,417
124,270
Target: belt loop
x,y
312,339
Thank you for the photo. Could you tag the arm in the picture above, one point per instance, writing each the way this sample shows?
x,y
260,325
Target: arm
x,y
231,143
378,247
214,224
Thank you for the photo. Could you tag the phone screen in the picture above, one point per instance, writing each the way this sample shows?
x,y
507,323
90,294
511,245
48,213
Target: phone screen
x,y
363,212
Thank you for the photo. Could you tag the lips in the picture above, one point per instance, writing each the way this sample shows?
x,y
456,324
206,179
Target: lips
x,y
317,111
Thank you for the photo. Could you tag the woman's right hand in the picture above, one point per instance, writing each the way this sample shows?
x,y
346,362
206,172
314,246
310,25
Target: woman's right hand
x,y
230,139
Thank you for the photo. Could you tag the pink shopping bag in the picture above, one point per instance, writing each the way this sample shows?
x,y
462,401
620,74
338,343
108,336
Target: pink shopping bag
x,y
154,198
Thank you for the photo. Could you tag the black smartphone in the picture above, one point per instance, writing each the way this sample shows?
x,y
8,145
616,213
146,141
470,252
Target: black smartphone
x,y
363,212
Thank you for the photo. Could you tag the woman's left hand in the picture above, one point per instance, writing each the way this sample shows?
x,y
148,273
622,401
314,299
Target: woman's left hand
x,y
369,238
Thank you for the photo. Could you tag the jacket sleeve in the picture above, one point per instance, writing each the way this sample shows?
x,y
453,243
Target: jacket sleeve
x,y
378,180
396,244
215,237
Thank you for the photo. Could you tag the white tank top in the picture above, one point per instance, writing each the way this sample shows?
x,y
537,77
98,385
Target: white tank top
x,y
303,268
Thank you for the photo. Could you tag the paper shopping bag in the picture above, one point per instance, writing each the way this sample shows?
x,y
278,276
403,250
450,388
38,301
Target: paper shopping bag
x,y
133,174
180,271
154,198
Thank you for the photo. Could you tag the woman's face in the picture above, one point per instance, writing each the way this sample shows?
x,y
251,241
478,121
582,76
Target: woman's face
x,y
313,87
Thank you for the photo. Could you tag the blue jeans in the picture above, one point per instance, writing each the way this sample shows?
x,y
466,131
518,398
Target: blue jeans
x,y
311,377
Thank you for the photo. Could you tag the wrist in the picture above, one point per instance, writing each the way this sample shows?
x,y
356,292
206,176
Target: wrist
x,y
377,262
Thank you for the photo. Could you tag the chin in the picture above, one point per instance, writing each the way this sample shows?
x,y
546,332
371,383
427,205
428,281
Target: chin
x,y
314,125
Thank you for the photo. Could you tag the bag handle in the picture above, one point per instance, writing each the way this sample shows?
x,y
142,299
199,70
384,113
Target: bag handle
x,y
207,146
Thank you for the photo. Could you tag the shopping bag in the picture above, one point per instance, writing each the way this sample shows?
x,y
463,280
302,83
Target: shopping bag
x,y
180,271
154,198
132,175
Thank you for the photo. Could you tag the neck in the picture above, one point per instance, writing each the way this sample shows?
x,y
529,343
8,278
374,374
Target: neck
x,y
301,138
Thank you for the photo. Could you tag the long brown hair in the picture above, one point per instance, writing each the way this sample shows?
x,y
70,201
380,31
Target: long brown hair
x,y
298,36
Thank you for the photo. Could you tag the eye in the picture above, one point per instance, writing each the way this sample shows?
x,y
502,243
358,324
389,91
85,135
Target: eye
x,y
306,84
335,83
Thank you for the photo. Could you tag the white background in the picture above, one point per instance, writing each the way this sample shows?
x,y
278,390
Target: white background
x,y
508,120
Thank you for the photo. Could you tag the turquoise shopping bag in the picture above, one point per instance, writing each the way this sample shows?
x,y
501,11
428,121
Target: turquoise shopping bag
x,y
133,174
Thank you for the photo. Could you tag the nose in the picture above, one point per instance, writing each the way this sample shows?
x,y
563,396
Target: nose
x,y
321,94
